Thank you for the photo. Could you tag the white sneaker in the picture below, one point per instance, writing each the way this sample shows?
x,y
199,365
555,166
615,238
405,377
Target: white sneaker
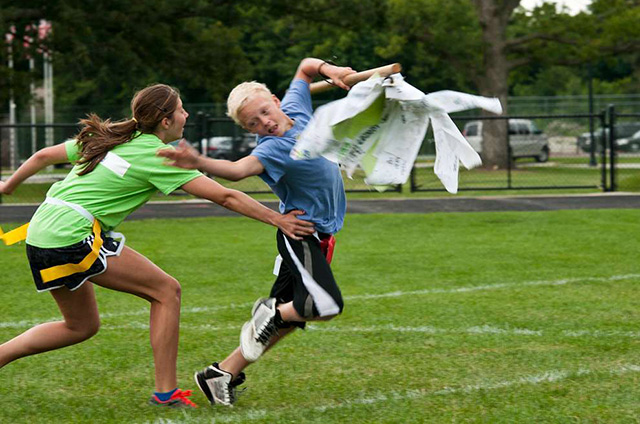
x,y
218,385
258,331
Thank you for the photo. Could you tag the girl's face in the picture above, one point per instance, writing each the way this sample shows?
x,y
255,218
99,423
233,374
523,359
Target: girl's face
x,y
176,123
262,115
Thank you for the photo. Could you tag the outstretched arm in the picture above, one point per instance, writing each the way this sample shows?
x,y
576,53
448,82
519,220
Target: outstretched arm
x,y
185,156
39,160
310,68
237,201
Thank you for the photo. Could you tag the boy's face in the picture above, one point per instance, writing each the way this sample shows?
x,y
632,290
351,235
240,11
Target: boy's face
x,y
262,115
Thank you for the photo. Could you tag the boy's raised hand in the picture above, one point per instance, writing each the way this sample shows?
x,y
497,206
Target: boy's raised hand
x,y
338,75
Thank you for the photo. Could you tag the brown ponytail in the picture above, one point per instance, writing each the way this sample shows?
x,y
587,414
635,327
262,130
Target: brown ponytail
x,y
98,137
149,107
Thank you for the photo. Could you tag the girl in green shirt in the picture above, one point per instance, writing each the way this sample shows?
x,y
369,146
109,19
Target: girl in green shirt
x,y
69,240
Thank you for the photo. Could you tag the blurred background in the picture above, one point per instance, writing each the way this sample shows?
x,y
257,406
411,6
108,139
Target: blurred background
x,y
567,73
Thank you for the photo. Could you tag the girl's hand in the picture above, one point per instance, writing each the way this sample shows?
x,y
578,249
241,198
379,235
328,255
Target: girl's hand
x,y
294,227
4,188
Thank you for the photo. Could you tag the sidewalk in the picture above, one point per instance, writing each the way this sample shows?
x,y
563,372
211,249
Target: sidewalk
x,y
197,208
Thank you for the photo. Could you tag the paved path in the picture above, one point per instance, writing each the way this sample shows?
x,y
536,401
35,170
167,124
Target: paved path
x,y
177,209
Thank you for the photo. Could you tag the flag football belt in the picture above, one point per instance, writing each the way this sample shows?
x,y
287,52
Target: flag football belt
x,y
327,245
60,271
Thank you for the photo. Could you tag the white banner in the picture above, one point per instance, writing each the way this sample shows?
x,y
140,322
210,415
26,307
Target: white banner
x,y
380,125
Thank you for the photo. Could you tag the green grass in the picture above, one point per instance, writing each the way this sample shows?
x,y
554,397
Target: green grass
x,y
521,317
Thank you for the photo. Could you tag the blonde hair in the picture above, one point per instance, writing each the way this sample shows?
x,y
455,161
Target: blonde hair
x,y
241,94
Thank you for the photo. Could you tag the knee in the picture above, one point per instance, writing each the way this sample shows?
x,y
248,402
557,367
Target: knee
x,y
86,329
171,291
92,328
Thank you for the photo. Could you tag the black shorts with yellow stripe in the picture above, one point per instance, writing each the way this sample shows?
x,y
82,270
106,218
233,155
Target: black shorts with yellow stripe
x,y
43,258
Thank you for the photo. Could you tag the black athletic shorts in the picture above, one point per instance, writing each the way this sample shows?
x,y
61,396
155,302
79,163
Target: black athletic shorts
x,y
305,278
40,259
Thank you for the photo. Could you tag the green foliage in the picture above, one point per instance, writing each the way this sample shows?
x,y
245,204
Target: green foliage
x,y
104,50
438,43
548,81
602,44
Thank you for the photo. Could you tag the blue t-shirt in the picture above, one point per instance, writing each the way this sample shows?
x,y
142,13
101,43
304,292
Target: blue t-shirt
x,y
314,186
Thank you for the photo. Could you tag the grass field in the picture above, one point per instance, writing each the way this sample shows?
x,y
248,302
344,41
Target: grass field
x,y
482,318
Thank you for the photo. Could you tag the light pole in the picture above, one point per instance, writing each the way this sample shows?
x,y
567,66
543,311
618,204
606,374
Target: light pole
x,y
44,29
592,151
12,104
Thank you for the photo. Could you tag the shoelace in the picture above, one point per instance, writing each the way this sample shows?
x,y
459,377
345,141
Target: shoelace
x,y
267,331
231,388
182,396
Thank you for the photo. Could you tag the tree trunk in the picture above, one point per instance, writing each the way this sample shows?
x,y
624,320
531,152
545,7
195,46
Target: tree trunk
x,y
494,17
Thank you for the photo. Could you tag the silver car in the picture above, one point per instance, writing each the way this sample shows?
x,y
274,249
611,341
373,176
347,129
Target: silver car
x,y
627,138
525,139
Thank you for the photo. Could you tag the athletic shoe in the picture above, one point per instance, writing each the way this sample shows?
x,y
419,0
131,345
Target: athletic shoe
x,y
177,400
218,385
257,332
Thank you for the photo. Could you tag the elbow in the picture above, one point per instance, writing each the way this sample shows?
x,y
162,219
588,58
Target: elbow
x,y
227,199
306,61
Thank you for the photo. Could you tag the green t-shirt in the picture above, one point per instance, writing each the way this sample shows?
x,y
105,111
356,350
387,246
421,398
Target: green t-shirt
x,y
125,180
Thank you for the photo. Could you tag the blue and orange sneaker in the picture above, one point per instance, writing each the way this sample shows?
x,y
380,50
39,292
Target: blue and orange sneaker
x,y
177,400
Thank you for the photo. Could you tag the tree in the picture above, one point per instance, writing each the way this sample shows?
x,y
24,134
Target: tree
x,y
106,49
547,38
494,17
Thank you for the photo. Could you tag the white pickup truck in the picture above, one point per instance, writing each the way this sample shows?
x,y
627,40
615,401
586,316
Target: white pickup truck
x,y
525,139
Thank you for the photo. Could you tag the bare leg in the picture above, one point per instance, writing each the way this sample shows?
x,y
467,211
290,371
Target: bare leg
x,y
81,321
133,273
235,362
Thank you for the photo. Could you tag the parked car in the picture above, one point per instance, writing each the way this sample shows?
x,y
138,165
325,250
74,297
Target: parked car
x,y
525,139
624,132
229,147
630,144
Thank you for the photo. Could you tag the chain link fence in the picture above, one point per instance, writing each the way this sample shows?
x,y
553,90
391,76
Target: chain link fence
x,y
571,151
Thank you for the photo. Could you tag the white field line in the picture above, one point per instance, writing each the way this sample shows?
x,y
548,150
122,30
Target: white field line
x,y
497,286
479,330
551,376
465,289
485,329
139,312
475,330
